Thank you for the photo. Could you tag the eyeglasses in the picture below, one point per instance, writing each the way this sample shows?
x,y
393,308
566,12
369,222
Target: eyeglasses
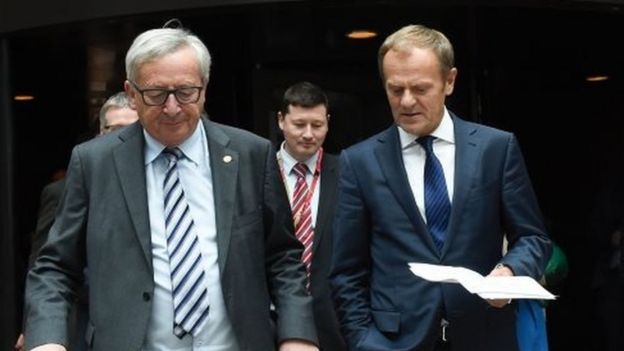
x,y
158,96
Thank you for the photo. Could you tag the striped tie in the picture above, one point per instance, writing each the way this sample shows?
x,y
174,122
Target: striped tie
x,y
188,281
302,216
437,204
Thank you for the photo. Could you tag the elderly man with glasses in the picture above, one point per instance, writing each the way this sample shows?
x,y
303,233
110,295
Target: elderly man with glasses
x,y
183,223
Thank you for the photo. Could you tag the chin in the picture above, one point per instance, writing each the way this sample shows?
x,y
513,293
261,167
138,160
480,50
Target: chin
x,y
174,140
304,155
410,128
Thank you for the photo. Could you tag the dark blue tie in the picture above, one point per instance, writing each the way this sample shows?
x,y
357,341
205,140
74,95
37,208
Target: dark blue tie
x,y
188,279
437,204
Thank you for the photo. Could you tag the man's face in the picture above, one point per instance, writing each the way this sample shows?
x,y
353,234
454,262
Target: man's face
x,y
416,89
116,118
170,123
304,130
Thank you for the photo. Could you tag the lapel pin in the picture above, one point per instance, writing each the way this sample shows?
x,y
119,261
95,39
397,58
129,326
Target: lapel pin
x,y
227,158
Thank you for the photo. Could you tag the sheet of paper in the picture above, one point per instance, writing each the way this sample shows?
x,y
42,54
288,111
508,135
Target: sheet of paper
x,y
486,287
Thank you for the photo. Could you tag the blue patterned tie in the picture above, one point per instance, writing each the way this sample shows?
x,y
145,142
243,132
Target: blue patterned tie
x,y
437,204
188,280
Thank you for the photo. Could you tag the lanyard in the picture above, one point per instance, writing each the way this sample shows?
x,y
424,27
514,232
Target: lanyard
x,y
315,177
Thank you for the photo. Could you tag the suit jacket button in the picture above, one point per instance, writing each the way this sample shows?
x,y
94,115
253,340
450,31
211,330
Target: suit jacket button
x,y
146,296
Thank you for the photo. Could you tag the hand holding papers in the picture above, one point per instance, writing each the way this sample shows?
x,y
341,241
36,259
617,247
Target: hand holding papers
x,y
517,287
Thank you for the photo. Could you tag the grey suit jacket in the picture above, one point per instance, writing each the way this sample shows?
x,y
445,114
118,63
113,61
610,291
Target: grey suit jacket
x,y
50,197
103,223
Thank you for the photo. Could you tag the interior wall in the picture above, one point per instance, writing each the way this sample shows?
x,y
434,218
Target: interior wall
x,y
27,14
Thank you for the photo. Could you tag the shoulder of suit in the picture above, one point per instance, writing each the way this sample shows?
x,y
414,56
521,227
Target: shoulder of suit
x,y
481,129
371,142
100,144
330,160
56,186
237,134
327,157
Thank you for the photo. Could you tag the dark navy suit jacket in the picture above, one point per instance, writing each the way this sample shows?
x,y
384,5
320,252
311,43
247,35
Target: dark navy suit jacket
x,y
327,327
378,230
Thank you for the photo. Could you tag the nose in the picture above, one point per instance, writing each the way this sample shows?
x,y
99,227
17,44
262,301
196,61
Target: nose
x,y
407,99
307,132
171,107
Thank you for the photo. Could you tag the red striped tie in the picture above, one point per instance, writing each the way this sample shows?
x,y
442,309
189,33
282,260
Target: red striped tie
x,y
302,216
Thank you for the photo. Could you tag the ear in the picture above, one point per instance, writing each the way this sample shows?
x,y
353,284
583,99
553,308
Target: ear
x,y
449,84
280,120
132,94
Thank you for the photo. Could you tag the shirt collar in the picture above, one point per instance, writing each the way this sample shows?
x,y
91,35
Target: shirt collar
x,y
444,131
289,162
191,147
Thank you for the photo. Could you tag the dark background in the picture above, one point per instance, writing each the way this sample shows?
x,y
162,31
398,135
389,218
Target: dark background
x,y
522,67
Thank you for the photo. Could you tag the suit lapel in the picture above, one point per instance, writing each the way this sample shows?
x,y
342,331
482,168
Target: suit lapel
x,y
327,197
224,164
389,156
467,157
130,164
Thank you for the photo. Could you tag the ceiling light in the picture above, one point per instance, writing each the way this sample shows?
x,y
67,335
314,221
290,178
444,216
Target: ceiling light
x,y
23,97
361,34
596,78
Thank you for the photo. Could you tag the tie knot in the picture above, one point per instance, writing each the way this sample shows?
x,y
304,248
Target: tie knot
x,y
300,169
426,142
172,153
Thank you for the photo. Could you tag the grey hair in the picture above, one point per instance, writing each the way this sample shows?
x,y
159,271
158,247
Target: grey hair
x,y
156,43
119,100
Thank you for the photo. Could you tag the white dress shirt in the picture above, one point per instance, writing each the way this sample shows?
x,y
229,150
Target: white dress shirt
x,y
196,179
414,157
287,163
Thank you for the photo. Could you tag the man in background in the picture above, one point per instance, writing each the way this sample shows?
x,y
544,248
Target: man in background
x,y
116,113
311,179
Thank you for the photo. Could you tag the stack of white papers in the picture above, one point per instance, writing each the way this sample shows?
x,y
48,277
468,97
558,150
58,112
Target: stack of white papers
x,y
517,287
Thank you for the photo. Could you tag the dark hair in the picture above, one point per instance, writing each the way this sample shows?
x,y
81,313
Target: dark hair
x,y
303,94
